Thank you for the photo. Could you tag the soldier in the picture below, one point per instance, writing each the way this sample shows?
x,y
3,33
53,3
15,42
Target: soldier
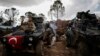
x,y
53,27
30,26
25,27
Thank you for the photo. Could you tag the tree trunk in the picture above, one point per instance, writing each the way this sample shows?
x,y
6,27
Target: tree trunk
x,y
51,16
57,12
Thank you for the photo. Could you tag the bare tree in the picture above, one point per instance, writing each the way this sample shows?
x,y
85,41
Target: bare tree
x,y
11,13
50,13
58,8
1,16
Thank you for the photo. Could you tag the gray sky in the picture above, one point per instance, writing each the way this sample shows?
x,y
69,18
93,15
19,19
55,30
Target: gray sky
x,y
20,2
43,6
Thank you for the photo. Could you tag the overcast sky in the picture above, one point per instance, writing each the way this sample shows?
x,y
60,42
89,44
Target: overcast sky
x,y
42,6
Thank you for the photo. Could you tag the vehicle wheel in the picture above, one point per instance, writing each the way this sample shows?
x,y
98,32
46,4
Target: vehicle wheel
x,y
39,48
2,50
6,51
82,49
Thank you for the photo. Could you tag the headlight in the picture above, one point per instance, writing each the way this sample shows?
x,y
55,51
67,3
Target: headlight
x,y
4,39
30,39
29,44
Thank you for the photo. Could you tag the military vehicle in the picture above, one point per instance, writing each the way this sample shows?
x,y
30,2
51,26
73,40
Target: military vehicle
x,y
84,34
19,42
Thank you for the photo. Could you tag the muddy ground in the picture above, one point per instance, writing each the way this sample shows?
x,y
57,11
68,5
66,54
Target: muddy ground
x,y
59,49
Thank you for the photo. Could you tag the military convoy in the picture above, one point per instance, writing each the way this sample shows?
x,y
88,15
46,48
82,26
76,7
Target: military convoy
x,y
83,33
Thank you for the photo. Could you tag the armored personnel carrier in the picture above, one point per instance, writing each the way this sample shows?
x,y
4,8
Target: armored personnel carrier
x,y
84,33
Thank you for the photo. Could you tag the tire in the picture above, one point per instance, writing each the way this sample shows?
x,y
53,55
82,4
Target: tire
x,y
2,50
6,51
82,49
39,48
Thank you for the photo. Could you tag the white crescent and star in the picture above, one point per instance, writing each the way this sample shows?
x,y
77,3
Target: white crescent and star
x,y
13,38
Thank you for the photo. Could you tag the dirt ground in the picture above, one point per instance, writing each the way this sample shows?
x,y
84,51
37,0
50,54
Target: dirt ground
x,y
59,49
